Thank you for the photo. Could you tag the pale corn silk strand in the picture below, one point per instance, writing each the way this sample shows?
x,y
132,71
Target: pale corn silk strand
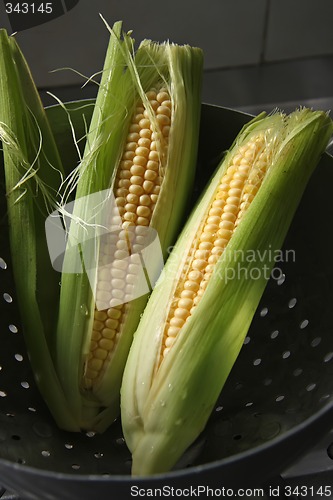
x,y
136,190
233,196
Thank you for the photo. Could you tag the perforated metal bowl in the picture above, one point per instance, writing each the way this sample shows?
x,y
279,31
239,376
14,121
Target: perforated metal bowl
x,y
276,403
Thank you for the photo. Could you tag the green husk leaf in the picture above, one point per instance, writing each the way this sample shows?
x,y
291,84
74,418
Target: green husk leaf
x,y
92,175
164,409
32,174
126,77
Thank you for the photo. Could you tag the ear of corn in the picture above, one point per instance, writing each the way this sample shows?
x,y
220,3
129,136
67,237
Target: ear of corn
x,y
141,148
197,317
32,172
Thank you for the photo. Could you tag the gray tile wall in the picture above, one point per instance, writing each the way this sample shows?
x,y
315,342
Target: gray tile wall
x,y
232,33
299,28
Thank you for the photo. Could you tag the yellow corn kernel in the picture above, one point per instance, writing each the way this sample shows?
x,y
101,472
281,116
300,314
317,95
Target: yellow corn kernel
x,y
139,210
254,151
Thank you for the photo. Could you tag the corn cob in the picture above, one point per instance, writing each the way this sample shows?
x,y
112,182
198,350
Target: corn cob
x,y
33,172
141,147
196,319
141,150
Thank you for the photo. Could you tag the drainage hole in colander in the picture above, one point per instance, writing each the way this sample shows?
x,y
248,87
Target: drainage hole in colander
x,y
250,403
286,354
46,453
69,446
10,415
3,264
237,437
297,372
120,441
303,324
247,340
315,342
292,302
90,434
310,387
264,312
279,398
328,357
32,409
18,357
15,437
8,298
76,466
219,408
3,394
274,334
281,280
13,328
256,362
267,381
25,384
98,455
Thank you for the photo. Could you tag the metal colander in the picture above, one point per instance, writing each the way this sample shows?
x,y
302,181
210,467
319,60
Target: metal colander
x,y
277,402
